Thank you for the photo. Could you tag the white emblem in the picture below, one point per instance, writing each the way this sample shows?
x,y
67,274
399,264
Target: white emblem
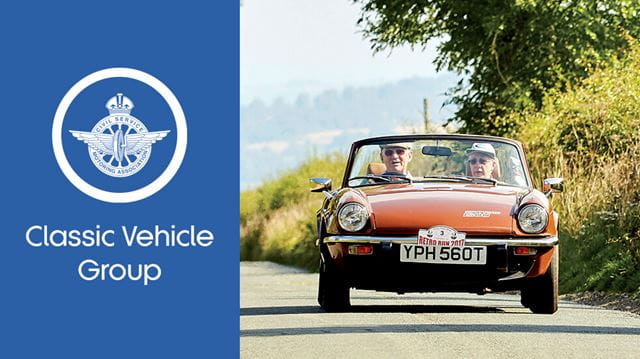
x,y
119,144
479,214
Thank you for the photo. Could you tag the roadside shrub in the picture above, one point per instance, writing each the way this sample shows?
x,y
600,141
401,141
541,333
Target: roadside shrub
x,y
277,220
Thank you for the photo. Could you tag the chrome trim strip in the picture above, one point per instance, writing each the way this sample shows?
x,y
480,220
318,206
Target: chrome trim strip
x,y
516,275
529,242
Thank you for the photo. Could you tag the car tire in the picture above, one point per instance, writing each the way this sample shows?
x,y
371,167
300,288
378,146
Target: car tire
x,y
333,292
541,295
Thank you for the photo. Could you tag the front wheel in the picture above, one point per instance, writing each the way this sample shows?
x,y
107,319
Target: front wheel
x,y
333,292
541,295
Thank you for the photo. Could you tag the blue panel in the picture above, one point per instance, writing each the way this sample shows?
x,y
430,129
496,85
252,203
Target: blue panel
x,y
47,309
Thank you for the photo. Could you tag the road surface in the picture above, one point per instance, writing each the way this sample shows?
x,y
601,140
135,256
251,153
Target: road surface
x,y
280,318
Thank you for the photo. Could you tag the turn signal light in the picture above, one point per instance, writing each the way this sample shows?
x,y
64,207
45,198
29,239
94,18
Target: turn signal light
x,y
524,251
361,249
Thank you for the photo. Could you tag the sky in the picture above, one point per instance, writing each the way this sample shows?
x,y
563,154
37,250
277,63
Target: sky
x,y
291,47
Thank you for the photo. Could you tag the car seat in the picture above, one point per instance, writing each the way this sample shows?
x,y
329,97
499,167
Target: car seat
x,y
376,168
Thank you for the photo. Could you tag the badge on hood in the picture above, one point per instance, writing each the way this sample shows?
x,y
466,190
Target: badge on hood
x,y
479,214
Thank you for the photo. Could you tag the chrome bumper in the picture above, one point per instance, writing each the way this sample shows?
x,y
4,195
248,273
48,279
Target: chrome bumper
x,y
526,241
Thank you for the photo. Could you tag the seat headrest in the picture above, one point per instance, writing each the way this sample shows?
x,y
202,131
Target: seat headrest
x,y
376,168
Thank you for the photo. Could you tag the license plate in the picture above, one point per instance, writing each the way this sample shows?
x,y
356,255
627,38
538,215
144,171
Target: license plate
x,y
418,253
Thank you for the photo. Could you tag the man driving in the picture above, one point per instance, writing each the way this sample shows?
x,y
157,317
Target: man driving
x,y
396,158
481,158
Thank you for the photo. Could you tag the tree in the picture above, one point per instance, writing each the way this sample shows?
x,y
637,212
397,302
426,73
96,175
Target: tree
x,y
509,52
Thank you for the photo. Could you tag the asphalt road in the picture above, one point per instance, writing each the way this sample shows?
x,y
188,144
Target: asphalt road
x,y
280,318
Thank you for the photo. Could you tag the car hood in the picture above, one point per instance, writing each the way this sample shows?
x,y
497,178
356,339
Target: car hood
x,y
475,209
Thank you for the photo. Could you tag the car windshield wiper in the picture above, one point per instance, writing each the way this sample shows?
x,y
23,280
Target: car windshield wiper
x,y
452,178
465,179
482,179
393,176
370,177
384,178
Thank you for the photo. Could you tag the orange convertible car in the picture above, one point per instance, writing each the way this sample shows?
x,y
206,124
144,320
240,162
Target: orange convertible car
x,y
433,213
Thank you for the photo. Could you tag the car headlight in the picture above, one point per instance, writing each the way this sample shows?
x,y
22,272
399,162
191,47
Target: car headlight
x,y
533,218
353,217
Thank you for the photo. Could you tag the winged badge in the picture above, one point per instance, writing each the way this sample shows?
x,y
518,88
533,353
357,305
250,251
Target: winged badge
x,y
119,145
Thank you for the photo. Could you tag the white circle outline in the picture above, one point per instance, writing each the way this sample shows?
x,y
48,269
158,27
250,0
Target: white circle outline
x,y
178,153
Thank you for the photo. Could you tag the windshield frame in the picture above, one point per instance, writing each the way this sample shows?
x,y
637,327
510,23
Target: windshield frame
x,y
411,138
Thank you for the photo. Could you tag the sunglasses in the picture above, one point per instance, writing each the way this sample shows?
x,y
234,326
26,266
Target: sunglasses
x,y
398,151
482,161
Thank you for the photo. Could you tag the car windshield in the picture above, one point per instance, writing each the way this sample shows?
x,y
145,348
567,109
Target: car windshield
x,y
438,160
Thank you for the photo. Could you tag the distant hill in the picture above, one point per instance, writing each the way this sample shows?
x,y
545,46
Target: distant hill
x,y
280,135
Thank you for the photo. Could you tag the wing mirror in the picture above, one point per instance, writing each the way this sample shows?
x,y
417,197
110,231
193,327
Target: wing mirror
x,y
550,185
321,184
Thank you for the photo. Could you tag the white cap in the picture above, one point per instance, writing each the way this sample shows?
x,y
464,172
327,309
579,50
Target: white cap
x,y
484,148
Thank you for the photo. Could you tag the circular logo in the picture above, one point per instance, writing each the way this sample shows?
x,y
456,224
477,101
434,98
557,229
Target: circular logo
x,y
120,144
